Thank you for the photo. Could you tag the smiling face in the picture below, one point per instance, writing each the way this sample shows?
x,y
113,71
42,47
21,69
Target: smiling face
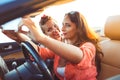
x,y
51,29
69,28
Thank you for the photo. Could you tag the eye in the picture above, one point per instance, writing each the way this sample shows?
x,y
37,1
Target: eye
x,y
50,29
67,25
56,26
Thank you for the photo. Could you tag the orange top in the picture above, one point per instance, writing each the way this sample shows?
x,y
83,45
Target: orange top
x,y
85,70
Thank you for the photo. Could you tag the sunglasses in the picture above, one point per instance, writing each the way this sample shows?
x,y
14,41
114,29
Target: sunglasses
x,y
73,13
75,17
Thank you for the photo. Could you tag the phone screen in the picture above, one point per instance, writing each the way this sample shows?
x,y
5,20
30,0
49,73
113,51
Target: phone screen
x,y
12,25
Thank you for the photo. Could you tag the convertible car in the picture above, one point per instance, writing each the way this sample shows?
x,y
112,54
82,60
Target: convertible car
x,y
15,63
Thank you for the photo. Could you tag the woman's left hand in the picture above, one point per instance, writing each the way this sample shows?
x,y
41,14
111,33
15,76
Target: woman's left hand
x,y
17,36
34,30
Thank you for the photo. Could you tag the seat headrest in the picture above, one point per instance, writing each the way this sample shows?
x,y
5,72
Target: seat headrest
x,y
112,27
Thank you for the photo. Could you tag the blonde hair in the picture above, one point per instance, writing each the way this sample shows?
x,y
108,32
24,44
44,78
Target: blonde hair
x,y
45,19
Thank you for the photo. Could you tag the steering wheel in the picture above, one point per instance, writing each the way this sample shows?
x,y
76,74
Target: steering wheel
x,y
32,69
26,46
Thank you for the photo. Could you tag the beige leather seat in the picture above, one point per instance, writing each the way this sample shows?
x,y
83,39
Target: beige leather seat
x,y
111,48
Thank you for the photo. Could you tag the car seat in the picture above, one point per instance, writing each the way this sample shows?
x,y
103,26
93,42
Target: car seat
x,y
111,49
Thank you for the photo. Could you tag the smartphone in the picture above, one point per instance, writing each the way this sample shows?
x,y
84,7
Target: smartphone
x,y
11,25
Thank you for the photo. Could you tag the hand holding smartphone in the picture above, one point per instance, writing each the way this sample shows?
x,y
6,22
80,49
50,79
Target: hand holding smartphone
x,y
11,25
14,25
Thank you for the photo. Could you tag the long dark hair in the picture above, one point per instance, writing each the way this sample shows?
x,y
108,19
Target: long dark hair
x,y
85,34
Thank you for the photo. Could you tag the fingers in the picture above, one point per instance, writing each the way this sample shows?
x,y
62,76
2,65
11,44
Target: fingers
x,y
10,33
20,24
28,22
17,36
23,29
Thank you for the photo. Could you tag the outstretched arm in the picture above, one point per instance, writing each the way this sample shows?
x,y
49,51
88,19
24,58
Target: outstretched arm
x,y
67,51
19,37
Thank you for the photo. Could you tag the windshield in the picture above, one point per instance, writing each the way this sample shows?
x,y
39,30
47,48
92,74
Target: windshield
x,y
95,11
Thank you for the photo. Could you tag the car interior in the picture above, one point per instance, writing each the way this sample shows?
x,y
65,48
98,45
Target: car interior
x,y
15,62
110,46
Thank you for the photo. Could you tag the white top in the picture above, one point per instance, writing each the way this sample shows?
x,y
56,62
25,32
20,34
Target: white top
x,y
61,71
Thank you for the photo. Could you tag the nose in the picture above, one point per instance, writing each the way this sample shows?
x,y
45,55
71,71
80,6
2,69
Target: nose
x,y
63,28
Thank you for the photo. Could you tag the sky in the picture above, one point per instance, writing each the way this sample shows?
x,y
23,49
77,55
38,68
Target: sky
x,y
95,11
2,2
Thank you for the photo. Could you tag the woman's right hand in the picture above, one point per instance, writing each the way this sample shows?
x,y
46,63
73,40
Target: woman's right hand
x,y
17,36
34,30
11,34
